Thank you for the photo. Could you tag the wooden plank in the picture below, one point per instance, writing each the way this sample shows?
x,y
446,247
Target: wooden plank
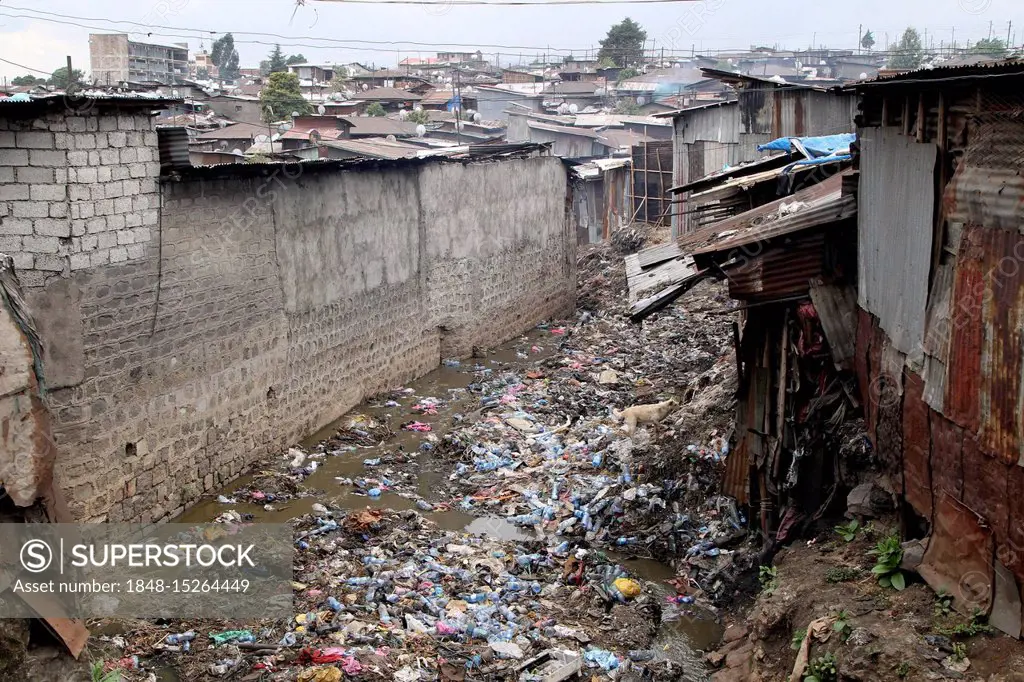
x,y
837,310
658,254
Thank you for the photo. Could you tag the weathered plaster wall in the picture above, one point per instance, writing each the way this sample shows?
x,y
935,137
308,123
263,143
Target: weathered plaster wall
x,y
262,308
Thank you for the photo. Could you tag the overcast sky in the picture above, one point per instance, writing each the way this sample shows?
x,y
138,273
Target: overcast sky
x,y
42,44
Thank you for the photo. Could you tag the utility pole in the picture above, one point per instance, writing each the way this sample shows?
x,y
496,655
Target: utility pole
x,y
860,33
1009,27
458,106
990,30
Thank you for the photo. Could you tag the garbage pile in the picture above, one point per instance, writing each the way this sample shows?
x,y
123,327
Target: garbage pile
x,y
387,595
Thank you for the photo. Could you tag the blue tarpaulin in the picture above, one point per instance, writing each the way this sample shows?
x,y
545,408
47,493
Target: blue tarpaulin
x,y
812,147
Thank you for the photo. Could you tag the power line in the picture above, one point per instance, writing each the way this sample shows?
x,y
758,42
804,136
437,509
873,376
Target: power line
x,y
27,68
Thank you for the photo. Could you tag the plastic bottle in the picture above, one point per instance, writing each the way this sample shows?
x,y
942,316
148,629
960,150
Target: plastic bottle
x,y
622,542
334,605
639,655
181,638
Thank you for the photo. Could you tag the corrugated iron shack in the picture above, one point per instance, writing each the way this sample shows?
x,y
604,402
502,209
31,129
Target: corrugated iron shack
x,y
940,336
710,137
601,198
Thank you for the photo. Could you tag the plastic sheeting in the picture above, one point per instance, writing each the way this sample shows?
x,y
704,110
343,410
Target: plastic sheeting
x,y
812,147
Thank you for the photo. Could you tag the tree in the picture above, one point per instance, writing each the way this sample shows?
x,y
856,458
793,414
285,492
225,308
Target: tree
x,y
265,67
626,74
606,63
909,52
295,59
418,116
990,47
624,43
59,78
276,62
225,57
627,107
202,74
375,109
868,41
28,79
281,95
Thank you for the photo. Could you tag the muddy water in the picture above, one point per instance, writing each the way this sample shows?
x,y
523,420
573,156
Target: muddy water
x,y
693,628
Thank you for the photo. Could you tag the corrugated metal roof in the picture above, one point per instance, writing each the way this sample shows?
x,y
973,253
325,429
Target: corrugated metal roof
x,y
236,131
374,126
387,95
821,204
894,254
377,148
565,130
991,69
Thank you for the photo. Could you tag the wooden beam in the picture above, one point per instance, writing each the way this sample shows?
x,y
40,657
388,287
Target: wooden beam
x,y
906,115
921,122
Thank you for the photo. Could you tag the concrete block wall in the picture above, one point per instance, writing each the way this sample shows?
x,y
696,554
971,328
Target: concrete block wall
x,y
76,191
265,307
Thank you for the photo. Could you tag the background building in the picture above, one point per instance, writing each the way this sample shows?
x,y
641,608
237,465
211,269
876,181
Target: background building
x,y
114,58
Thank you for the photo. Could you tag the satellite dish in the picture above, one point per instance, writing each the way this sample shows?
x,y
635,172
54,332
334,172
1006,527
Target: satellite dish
x,y
573,108
314,136
863,76
222,124
223,145
236,151
175,94
421,130
402,114
321,110
284,127
418,107
641,100
260,139
390,138
365,86
563,108
477,117
296,114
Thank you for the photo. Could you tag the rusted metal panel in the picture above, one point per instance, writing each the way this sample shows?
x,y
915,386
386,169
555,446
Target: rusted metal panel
x,y
959,556
917,483
779,272
985,487
984,387
947,457
1006,603
864,323
1012,552
895,226
987,196
936,338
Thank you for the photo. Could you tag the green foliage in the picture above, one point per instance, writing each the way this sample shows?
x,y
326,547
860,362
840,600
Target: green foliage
x,y
798,639
842,574
868,40
959,651
295,59
822,669
627,107
375,109
888,554
624,44
842,625
276,62
848,531
418,116
909,52
769,578
97,675
902,670
990,47
943,605
59,78
225,57
606,63
28,79
281,96
626,74
965,630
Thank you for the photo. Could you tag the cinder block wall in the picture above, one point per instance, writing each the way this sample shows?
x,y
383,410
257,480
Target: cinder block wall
x,y
260,308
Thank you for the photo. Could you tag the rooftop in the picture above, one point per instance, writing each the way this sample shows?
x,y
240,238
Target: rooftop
x,y
366,126
387,95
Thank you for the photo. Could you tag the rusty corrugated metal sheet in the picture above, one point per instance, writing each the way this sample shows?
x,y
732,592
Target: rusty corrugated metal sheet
x,y
895,226
985,487
779,272
1012,553
861,359
959,556
917,480
947,458
986,196
983,388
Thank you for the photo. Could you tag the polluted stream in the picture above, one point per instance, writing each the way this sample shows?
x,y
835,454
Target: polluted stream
x,y
403,473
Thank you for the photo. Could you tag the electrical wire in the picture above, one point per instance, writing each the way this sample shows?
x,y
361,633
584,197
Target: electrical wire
x,y
27,68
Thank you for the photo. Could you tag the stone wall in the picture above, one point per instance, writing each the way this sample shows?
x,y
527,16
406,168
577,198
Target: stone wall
x,y
261,307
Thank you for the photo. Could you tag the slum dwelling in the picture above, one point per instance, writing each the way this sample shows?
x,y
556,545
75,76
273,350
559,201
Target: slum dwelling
x,y
939,343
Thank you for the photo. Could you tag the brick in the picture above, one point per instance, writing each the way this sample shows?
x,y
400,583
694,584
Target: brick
x,y
107,240
58,210
41,157
63,141
130,155
125,237
137,170
118,254
150,139
109,157
99,258
78,228
123,204
96,225
33,140
104,206
114,189
37,244
78,158
50,263
118,139
108,123
116,221
135,140
15,226
13,192
94,158
52,227
85,210
23,261
60,175
80,261
136,251
79,193
76,124
10,244
113,173
13,157
125,123
6,139
30,209
90,242
132,188
32,174
85,141
6,174
48,193
86,175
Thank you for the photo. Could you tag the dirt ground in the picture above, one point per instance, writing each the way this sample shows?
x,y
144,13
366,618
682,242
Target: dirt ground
x,y
888,634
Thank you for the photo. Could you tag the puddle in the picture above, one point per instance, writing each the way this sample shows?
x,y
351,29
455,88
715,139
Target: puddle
x,y
683,627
